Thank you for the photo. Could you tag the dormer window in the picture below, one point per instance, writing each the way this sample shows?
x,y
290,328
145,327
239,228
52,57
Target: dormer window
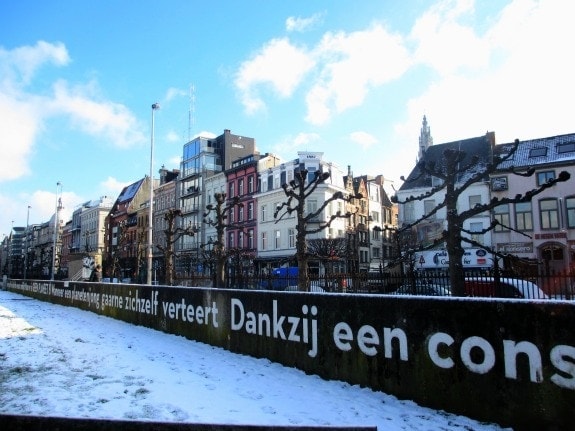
x,y
538,152
566,147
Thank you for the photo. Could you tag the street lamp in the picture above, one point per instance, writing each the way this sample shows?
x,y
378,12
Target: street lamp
x,y
27,234
56,216
155,107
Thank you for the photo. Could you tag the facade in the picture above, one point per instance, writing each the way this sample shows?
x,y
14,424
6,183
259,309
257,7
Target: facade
x,y
125,240
276,241
83,238
433,220
164,202
543,230
203,157
241,235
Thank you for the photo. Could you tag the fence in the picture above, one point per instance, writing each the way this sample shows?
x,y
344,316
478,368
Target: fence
x,y
435,283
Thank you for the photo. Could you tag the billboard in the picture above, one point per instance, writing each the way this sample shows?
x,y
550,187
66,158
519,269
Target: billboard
x,y
439,259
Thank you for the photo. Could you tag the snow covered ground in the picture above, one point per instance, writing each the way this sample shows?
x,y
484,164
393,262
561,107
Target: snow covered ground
x,y
62,361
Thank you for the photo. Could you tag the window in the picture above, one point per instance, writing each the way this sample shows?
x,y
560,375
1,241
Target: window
x,y
251,239
263,213
311,206
291,238
538,152
250,184
277,240
475,229
570,210
498,184
523,216
232,218
501,214
566,147
231,240
241,187
549,213
428,206
408,212
250,211
241,240
264,241
232,190
474,200
241,213
544,177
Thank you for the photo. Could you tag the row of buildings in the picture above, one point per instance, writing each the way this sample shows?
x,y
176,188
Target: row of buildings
x,y
540,232
113,232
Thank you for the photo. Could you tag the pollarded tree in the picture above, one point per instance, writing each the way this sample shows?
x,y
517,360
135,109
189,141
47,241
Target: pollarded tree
x,y
172,234
297,192
456,174
220,221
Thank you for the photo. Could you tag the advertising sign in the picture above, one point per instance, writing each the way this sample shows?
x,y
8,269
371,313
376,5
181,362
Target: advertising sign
x,y
439,259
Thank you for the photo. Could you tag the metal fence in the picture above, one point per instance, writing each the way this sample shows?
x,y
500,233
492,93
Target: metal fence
x,y
429,283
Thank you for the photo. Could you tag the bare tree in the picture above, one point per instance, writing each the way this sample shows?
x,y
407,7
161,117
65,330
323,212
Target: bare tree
x,y
172,234
455,177
297,193
220,211
329,251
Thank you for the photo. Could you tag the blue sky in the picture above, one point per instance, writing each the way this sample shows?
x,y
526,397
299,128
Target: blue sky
x,y
352,79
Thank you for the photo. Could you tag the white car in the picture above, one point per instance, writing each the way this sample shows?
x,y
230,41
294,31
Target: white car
x,y
507,288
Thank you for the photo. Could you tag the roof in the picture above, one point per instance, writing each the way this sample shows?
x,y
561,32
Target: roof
x,y
554,149
129,191
479,146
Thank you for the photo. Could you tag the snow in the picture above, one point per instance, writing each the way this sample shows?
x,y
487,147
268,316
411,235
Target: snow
x,y
66,362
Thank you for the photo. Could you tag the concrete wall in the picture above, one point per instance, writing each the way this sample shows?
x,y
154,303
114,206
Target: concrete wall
x,y
510,362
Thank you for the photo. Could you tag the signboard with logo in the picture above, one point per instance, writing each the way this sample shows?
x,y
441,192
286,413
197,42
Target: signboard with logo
x,y
439,259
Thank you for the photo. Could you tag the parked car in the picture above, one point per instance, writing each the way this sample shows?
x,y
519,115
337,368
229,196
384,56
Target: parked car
x,y
505,288
281,278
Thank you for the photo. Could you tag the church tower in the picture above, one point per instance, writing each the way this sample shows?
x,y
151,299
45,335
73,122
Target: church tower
x,y
425,139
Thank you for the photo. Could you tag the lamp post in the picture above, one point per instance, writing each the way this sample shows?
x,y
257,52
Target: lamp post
x,y
26,245
56,216
155,107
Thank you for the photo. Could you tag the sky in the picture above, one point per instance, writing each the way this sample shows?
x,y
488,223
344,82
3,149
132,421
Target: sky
x,y
350,79
65,362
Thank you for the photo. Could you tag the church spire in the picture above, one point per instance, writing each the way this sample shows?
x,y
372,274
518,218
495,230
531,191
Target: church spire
x,y
425,139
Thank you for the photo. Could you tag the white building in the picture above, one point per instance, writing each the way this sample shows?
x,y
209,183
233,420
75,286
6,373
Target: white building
x,y
430,197
277,235
542,230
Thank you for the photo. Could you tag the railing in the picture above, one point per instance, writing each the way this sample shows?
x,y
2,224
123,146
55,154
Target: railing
x,y
431,283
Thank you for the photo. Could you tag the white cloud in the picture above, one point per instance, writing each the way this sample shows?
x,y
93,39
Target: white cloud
x,y
352,64
100,118
174,93
363,139
302,24
18,66
444,43
287,146
112,187
24,113
526,92
20,126
280,65
346,66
